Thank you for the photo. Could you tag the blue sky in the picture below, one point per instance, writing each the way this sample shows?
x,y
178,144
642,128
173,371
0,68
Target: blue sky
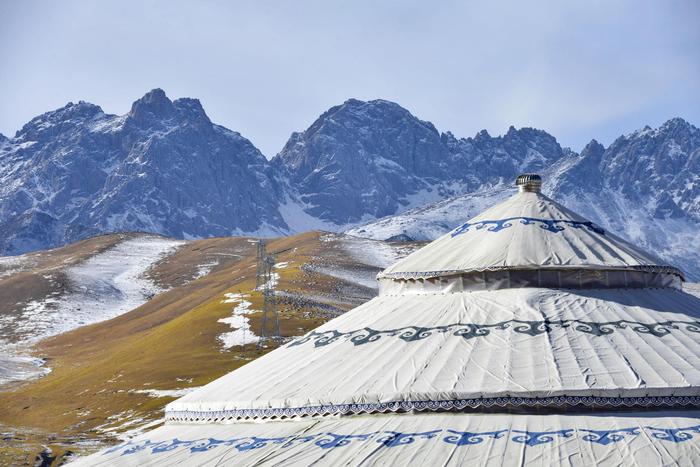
x,y
578,69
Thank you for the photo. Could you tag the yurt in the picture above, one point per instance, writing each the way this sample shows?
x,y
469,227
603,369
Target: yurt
x,y
526,336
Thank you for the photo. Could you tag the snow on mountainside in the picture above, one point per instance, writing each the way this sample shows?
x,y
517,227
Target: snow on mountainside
x,y
164,168
371,159
107,284
644,187
430,221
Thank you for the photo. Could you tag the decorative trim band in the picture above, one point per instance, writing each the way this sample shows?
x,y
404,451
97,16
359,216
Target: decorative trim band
x,y
432,406
387,439
469,331
550,225
655,269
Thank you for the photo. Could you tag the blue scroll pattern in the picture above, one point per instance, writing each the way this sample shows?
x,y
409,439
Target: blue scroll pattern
x,y
676,435
468,331
550,225
533,438
606,437
393,439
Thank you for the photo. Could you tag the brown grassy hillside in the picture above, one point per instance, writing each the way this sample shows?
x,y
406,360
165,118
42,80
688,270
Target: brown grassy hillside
x,y
101,373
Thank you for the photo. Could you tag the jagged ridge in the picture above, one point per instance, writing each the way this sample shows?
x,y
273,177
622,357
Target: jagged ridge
x,y
166,168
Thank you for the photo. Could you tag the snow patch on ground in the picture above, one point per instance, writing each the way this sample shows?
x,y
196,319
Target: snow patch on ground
x,y
20,367
369,256
12,264
204,269
353,276
106,285
165,392
127,425
298,220
692,288
421,198
272,283
242,333
373,252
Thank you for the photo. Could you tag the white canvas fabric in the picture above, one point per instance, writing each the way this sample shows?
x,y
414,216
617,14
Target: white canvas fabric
x,y
526,231
631,439
464,347
449,367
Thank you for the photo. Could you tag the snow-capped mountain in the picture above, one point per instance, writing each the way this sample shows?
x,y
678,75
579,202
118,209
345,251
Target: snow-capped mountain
x,y
364,160
644,187
164,168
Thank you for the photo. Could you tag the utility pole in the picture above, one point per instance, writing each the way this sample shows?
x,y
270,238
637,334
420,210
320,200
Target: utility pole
x,y
265,281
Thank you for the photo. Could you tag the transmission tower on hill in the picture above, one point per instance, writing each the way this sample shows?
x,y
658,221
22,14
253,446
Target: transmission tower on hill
x,y
266,280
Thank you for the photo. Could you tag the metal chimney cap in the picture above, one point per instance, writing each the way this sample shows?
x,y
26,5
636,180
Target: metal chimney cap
x,y
528,183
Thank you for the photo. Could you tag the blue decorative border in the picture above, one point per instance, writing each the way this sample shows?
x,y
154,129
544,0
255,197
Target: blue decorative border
x,y
654,269
432,406
468,331
393,439
550,225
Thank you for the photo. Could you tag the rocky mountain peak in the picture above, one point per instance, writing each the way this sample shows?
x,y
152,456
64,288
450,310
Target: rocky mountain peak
x,y
355,112
584,167
483,135
677,124
93,173
376,157
593,150
352,102
665,161
379,103
539,143
361,157
191,109
166,168
528,133
53,122
154,105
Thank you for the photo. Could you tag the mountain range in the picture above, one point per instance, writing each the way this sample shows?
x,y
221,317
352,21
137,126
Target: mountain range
x,y
371,167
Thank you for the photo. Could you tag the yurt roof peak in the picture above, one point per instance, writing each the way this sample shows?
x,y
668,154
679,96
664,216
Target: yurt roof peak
x,y
539,243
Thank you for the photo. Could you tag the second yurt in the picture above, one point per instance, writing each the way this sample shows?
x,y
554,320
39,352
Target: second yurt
x,y
526,336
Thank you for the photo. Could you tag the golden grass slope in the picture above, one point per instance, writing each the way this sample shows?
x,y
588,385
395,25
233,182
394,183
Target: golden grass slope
x,y
96,389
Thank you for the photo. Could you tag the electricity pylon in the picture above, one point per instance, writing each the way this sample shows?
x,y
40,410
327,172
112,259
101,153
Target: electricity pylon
x,y
265,281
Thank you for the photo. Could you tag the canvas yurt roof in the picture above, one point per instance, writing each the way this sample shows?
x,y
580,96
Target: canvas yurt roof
x,y
543,340
510,236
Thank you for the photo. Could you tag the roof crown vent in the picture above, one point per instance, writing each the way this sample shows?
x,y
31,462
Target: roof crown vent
x,y
529,183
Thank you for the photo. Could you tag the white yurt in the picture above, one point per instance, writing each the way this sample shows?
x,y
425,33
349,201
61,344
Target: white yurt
x,y
526,336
